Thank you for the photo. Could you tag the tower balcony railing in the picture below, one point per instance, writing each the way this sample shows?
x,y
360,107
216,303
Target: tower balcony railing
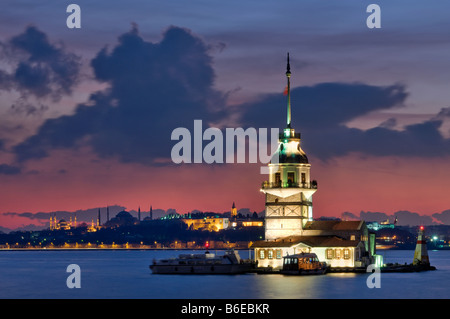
x,y
290,134
267,185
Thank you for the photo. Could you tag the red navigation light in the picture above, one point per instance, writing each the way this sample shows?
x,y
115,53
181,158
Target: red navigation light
x,y
207,244
421,227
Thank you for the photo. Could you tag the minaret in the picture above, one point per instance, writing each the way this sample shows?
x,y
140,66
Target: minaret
x,y
233,211
98,218
151,213
139,213
107,213
289,189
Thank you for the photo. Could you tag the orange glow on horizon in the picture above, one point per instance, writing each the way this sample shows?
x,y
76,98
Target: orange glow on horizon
x,y
345,184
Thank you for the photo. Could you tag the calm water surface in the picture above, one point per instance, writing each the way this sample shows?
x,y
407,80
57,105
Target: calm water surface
x,y
125,274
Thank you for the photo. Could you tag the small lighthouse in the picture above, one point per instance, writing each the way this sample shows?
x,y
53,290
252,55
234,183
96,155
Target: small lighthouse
x,y
421,252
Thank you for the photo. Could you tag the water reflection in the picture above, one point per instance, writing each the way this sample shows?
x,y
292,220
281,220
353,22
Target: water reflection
x,y
125,274
273,286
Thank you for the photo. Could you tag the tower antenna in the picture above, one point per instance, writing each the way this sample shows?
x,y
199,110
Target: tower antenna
x,y
288,75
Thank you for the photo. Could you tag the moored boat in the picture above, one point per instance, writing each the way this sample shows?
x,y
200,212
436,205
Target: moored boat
x,y
303,264
207,263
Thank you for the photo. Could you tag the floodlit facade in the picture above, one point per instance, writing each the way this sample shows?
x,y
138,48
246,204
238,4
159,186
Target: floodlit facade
x,y
347,244
207,223
62,224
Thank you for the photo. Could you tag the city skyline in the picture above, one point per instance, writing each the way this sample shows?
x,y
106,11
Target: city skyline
x,y
40,220
86,115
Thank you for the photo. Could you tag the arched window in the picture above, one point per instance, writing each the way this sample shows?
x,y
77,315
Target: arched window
x,y
346,253
277,179
329,253
262,254
278,252
337,254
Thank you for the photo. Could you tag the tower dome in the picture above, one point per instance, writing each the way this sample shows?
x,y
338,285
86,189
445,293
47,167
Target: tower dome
x,y
289,150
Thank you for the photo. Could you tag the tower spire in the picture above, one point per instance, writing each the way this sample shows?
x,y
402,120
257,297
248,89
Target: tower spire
x,y
288,75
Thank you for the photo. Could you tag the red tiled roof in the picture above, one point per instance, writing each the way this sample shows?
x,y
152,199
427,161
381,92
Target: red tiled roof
x,y
312,241
333,225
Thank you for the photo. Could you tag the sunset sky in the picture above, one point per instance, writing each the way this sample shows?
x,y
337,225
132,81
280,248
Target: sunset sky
x,y
86,114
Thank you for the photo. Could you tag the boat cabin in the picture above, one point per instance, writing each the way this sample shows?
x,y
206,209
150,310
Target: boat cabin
x,y
303,261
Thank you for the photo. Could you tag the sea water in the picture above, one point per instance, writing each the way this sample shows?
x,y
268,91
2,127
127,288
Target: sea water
x,y
125,274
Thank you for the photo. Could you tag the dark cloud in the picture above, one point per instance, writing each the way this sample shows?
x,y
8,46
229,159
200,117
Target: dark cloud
x,y
411,218
85,215
154,88
349,216
404,218
6,81
6,169
324,105
157,87
443,113
443,217
389,123
41,67
320,112
374,216
23,107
